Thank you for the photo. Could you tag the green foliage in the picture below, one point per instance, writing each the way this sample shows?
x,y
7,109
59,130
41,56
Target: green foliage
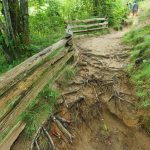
x,y
39,109
139,39
46,21
116,12
146,123
69,73
137,35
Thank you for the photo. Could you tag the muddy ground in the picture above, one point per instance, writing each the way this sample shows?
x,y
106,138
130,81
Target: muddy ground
x,y
99,103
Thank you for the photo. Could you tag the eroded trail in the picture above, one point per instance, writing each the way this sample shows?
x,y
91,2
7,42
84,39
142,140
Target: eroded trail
x,y
100,101
107,117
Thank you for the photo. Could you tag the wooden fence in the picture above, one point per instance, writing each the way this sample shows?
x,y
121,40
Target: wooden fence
x,y
22,84
88,25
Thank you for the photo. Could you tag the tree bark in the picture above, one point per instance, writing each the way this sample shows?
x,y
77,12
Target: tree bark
x,y
15,16
17,26
8,19
6,50
95,7
24,21
9,27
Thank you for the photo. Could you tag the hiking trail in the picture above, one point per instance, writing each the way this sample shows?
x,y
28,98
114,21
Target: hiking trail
x,y
100,101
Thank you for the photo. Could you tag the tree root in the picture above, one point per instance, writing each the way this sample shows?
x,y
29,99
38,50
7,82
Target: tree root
x,y
95,55
63,120
116,95
37,135
37,145
63,129
34,141
51,143
71,92
79,100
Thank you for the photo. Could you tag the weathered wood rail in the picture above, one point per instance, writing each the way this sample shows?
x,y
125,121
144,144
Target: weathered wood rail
x,y
22,84
19,86
81,26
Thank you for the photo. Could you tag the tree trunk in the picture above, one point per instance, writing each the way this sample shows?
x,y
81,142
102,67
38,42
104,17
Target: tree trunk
x,y
17,26
9,27
95,7
15,16
24,21
8,19
5,49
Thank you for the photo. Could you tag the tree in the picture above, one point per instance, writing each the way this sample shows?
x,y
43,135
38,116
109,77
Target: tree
x,y
14,31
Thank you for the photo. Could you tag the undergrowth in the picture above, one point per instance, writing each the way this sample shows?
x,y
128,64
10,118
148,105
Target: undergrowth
x,y
68,74
42,106
39,109
139,69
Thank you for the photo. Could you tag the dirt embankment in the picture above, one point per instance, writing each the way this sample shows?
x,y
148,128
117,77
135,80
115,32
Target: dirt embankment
x,y
100,102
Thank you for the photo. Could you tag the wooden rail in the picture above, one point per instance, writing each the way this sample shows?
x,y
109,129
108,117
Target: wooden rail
x,y
88,25
22,84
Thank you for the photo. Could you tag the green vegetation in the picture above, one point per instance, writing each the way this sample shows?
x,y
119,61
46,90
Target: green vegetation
x,y
46,24
139,69
67,75
43,105
39,109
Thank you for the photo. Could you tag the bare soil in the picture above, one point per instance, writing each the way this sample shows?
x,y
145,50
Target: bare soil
x,y
100,101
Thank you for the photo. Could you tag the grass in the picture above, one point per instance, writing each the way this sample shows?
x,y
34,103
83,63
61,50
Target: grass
x,y
39,109
43,105
139,39
67,75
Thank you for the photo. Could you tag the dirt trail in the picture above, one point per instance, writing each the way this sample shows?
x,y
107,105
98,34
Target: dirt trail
x,y
100,101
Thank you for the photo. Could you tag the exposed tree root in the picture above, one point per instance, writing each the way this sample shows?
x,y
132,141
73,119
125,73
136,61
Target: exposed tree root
x,y
50,141
63,129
